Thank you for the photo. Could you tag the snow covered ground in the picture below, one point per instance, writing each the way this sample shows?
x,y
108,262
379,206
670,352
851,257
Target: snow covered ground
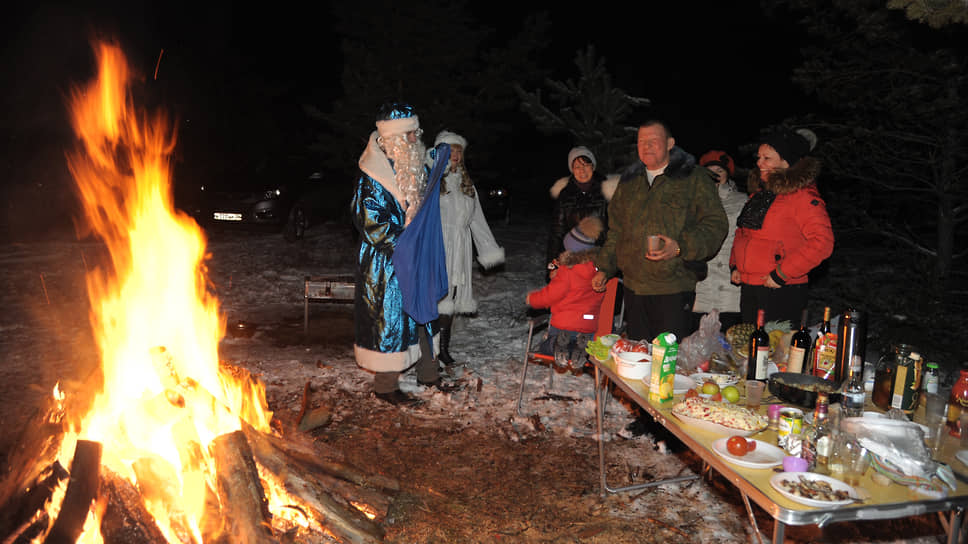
x,y
259,282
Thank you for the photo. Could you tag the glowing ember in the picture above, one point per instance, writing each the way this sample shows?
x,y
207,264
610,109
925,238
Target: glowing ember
x,y
157,327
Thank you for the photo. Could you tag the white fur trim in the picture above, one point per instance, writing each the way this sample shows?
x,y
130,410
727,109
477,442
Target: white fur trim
x,y
491,258
558,187
374,163
609,186
452,138
446,306
397,126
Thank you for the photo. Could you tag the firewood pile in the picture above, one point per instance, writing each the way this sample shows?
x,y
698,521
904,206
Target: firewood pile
x,y
323,494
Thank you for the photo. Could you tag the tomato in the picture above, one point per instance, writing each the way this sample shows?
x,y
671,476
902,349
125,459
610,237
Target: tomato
x,y
737,445
692,393
751,445
718,397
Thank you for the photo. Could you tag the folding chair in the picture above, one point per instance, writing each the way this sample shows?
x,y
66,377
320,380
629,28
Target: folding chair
x,y
606,324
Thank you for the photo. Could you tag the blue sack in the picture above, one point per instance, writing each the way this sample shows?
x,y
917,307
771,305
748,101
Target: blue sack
x,y
419,258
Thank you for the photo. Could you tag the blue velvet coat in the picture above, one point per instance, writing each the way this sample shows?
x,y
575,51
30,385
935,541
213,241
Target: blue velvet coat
x,y
386,338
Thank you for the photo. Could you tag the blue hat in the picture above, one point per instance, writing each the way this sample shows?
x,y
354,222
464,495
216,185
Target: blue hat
x,y
396,118
584,235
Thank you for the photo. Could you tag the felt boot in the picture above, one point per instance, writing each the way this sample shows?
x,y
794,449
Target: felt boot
x,y
445,321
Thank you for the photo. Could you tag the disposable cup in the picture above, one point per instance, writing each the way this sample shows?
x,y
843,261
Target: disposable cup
x,y
655,243
754,393
937,429
935,405
795,464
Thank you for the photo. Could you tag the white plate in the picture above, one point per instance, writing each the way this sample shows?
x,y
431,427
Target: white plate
x,y
721,379
764,456
715,427
962,456
683,384
836,484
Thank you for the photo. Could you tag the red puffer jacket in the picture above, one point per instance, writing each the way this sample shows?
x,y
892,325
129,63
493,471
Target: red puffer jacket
x,y
796,235
574,305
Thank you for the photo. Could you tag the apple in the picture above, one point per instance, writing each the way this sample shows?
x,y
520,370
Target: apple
x,y
710,387
730,393
692,393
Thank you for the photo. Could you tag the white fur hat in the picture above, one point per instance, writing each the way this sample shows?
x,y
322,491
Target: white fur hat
x,y
580,151
452,138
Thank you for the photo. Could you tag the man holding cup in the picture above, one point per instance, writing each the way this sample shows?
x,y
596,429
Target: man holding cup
x,y
664,219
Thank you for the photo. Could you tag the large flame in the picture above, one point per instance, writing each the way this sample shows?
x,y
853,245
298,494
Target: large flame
x,y
156,324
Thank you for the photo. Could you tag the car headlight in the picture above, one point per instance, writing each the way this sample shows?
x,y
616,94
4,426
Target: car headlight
x,y
498,192
272,194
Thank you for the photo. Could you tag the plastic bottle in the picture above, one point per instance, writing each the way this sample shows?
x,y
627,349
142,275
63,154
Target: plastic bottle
x,y
853,397
957,403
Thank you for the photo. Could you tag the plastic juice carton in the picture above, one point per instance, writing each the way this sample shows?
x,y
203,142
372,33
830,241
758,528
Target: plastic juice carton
x,y
665,352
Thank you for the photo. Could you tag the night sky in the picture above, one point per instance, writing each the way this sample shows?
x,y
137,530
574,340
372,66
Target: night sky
x,y
716,71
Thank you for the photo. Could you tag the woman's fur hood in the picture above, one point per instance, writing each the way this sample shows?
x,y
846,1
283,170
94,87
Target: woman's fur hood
x,y
681,164
571,258
794,178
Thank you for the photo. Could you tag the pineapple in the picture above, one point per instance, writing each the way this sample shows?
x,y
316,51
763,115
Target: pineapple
x,y
738,335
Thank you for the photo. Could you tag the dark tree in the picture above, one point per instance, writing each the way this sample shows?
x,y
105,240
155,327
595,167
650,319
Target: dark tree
x,y
590,110
896,135
456,72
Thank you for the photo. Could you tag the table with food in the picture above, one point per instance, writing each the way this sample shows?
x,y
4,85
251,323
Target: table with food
x,y
810,450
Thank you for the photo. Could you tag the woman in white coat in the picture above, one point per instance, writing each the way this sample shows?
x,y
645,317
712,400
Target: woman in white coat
x,y
464,227
716,291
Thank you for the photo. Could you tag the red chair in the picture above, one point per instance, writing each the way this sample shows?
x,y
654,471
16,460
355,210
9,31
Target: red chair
x,y
606,324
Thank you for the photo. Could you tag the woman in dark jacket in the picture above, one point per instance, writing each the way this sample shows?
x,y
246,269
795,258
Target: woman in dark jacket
x,y
584,193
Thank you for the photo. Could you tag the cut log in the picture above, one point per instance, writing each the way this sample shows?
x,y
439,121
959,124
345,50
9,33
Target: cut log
x,y
81,492
125,519
328,504
244,506
318,457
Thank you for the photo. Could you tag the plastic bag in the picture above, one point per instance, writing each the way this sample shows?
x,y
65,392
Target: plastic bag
x,y
698,346
897,450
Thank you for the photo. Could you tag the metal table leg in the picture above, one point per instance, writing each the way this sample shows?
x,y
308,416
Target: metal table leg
x,y
955,528
601,387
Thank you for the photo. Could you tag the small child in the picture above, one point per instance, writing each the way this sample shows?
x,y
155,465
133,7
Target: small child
x,y
574,304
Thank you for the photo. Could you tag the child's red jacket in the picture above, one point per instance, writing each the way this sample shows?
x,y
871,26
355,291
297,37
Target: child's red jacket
x,y
574,304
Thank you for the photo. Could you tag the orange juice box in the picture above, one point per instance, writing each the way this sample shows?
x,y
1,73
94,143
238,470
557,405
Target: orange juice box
x,y
665,352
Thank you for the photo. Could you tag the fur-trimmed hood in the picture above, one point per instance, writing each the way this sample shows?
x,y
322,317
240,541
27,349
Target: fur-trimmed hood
x,y
608,185
681,164
798,176
571,258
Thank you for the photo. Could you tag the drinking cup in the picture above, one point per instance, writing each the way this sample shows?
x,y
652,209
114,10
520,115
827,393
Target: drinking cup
x,y
792,463
935,405
849,460
655,243
754,393
773,411
937,429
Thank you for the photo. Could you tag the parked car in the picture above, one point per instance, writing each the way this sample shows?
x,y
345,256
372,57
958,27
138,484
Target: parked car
x,y
495,199
284,197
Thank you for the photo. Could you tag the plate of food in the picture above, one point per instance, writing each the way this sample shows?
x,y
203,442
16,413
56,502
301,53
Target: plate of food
x,y
722,380
813,489
764,455
719,417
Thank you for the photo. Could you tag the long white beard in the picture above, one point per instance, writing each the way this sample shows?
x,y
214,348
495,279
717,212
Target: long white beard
x,y
408,167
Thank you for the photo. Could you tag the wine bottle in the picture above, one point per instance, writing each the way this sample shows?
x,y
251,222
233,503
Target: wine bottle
x,y
798,361
825,350
759,350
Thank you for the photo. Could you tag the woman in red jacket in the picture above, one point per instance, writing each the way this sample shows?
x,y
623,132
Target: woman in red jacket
x,y
783,231
574,304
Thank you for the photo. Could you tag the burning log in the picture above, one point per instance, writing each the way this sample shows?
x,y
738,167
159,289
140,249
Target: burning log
x,y
330,498
125,519
81,492
244,506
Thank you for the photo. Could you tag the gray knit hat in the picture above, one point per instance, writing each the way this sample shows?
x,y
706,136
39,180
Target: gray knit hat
x,y
580,151
584,235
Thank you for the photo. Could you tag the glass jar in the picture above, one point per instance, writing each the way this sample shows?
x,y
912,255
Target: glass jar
x,y
884,374
957,403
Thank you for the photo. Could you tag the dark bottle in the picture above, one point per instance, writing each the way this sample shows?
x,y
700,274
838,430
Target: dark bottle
x,y
759,352
851,340
798,360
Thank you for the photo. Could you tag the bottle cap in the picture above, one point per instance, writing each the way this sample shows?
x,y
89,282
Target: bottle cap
x,y
932,365
914,355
